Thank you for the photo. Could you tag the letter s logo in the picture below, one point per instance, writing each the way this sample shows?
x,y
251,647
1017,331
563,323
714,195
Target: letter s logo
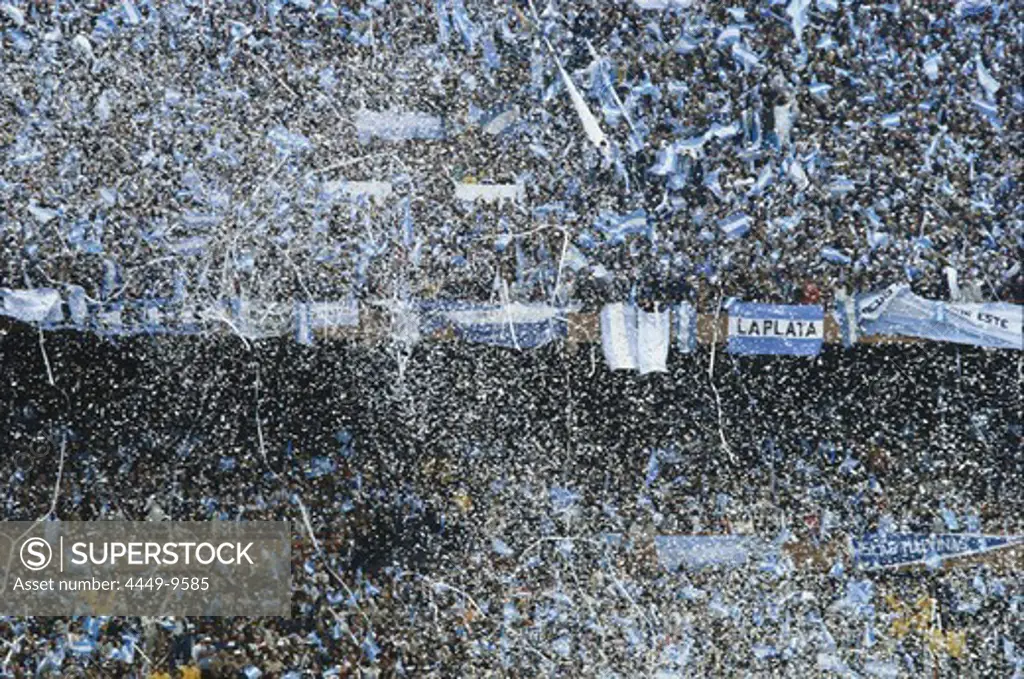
x,y
36,554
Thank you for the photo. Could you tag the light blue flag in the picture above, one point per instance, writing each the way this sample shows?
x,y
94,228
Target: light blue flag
x,y
835,256
895,550
898,311
745,57
653,467
775,329
444,28
665,164
491,58
617,227
462,22
92,627
513,325
702,551
735,225
686,328
82,646
41,306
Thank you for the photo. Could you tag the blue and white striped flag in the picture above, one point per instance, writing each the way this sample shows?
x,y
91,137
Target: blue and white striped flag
x,y
83,645
735,225
665,164
92,627
443,24
465,26
131,12
51,662
835,256
78,308
126,653
776,329
41,305
617,227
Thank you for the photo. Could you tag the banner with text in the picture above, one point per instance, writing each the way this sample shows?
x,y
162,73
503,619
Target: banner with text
x,y
513,325
898,311
895,550
775,329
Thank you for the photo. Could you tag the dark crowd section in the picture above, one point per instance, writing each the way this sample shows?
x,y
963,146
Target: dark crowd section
x,y
154,416
440,484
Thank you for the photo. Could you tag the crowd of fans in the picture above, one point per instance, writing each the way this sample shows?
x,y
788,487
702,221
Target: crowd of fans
x,y
184,149
483,512
496,511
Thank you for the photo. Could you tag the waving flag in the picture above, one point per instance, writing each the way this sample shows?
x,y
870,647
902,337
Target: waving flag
x,y
617,227
82,646
590,125
735,225
126,653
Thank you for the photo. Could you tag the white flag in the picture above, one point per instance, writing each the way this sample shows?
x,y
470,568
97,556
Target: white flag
x,y
619,336
653,332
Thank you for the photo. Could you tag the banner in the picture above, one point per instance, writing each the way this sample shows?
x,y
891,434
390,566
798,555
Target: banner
x,y
775,329
398,125
325,315
653,335
686,328
898,311
41,305
514,325
489,193
380,191
618,336
702,551
635,340
258,319
895,550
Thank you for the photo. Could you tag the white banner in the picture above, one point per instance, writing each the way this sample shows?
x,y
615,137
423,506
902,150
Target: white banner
x,y
898,311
